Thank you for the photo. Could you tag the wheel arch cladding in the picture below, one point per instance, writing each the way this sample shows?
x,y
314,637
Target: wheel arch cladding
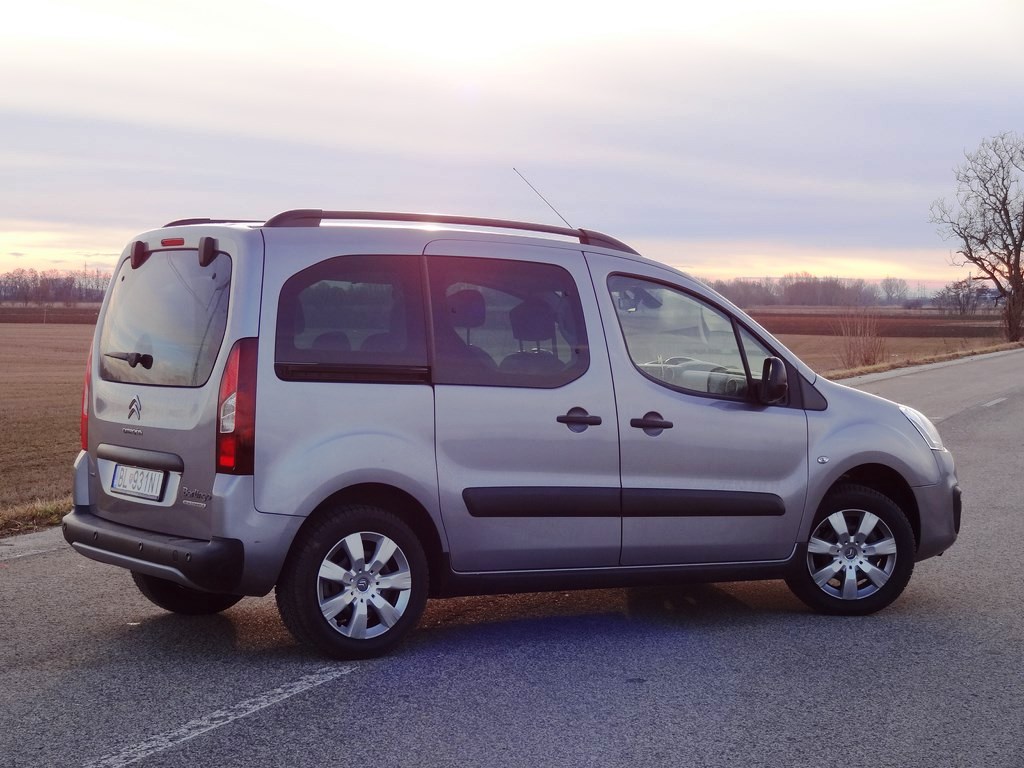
x,y
888,482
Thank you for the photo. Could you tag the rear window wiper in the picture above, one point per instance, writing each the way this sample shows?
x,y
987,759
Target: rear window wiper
x,y
132,358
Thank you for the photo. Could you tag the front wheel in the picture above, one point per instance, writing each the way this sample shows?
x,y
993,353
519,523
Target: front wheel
x,y
178,599
859,556
354,584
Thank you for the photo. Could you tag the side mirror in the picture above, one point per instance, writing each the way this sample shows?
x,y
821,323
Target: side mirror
x,y
774,384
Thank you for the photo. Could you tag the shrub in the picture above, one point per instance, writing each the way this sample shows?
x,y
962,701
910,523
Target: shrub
x,y
860,343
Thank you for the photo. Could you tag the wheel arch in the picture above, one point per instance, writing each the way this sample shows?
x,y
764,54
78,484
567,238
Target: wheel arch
x,y
889,483
398,502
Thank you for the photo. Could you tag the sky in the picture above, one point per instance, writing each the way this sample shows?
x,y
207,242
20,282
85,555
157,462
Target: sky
x,y
734,138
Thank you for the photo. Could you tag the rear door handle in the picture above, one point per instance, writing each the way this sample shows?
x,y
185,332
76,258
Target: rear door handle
x,y
577,419
651,423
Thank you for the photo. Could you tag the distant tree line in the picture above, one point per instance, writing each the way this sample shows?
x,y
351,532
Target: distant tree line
x,y
53,286
960,297
804,289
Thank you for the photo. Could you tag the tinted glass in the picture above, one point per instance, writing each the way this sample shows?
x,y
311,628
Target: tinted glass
x,y
677,339
506,323
170,314
353,310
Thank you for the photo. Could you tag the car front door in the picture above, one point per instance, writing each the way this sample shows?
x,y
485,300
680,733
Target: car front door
x,y
709,474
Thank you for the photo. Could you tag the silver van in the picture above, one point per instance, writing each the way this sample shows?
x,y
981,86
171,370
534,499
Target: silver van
x,y
362,410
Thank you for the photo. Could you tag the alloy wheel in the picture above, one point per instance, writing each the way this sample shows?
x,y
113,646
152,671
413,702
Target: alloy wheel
x,y
364,585
851,554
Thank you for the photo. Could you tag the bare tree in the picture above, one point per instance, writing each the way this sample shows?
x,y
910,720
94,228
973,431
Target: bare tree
x,y
959,297
894,289
987,220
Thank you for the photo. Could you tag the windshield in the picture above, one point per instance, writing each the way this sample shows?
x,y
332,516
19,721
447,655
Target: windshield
x,y
165,320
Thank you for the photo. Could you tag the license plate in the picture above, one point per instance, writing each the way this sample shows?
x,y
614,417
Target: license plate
x,y
135,481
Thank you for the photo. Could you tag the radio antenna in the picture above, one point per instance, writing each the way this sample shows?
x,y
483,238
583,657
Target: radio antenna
x,y
570,226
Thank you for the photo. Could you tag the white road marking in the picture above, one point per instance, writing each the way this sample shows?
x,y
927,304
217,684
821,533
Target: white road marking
x,y
990,403
25,553
209,722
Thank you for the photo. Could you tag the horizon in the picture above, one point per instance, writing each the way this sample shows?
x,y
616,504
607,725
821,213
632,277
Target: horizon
x,y
916,289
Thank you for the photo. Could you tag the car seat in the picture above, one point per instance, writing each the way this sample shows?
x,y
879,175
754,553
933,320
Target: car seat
x,y
533,320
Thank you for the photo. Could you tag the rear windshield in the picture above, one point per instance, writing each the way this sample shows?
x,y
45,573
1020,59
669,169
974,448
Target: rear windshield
x,y
165,321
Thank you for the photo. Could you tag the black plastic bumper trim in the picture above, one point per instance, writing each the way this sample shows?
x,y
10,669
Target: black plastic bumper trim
x,y
671,502
542,501
214,565
136,457
557,501
958,505
455,584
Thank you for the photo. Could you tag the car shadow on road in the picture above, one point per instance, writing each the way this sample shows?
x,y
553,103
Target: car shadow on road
x,y
252,628
509,619
712,604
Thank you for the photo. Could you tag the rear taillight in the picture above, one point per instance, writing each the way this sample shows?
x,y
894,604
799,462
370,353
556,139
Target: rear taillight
x,y
86,386
236,410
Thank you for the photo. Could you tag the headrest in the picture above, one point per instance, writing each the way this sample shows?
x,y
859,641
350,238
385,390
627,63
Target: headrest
x,y
466,309
533,320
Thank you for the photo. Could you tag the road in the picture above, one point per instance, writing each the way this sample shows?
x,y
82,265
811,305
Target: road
x,y
738,674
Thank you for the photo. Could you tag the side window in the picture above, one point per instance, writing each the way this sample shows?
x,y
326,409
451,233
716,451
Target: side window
x,y
505,323
352,311
679,340
756,353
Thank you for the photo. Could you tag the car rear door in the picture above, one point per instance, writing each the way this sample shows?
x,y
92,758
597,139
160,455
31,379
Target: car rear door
x,y
526,430
155,371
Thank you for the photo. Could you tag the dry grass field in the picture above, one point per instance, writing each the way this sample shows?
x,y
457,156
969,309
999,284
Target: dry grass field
x,y
41,369
891,322
822,352
907,336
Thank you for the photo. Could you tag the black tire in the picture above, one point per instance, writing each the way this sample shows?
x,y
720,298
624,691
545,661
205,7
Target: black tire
x,y
862,571
178,599
373,602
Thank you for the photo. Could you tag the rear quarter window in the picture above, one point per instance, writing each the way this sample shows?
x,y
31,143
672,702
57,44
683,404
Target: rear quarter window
x,y
165,320
350,314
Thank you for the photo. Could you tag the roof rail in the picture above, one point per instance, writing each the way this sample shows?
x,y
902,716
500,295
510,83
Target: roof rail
x,y
185,222
313,217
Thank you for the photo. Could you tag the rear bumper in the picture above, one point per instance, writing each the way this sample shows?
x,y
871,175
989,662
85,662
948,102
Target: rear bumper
x,y
214,566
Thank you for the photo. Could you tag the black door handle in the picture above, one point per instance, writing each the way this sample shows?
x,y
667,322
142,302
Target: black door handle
x,y
577,419
590,421
651,423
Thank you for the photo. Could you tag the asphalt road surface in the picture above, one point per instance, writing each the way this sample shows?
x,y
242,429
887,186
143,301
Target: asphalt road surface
x,y
91,674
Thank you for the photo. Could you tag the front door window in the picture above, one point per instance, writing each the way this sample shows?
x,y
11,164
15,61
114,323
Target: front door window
x,y
683,342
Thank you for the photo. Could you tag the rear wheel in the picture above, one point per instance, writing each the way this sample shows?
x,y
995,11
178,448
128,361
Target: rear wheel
x,y
178,599
354,584
859,556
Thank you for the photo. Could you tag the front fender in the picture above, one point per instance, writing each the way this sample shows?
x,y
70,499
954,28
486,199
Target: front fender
x,y
860,429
